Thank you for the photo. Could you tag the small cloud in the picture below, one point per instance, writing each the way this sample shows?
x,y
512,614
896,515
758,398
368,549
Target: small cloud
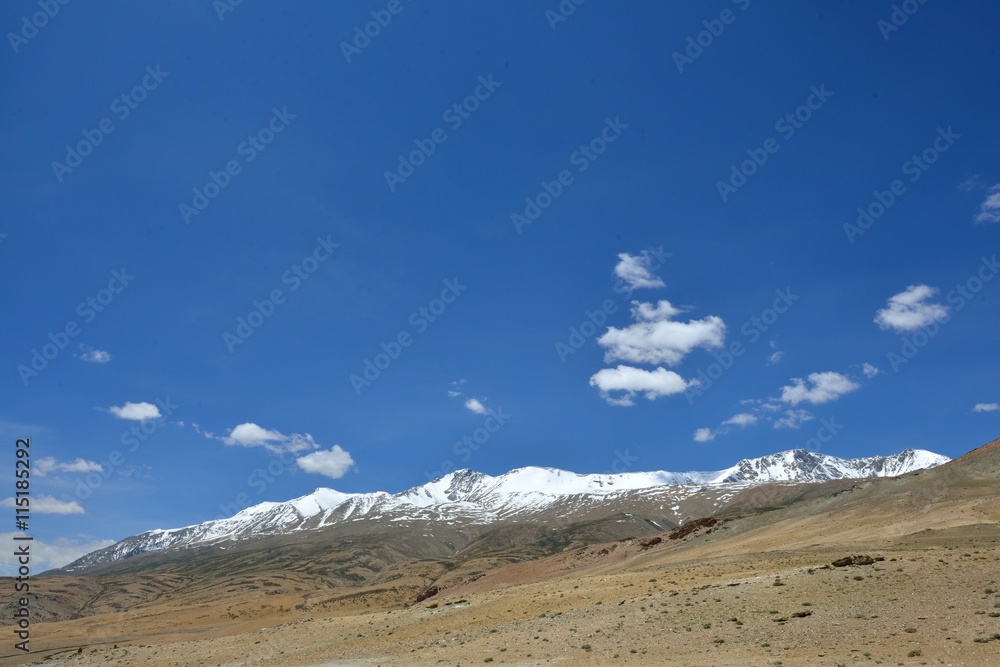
x,y
631,381
637,270
136,411
910,310
743,419
775,358
93,355
42,504
48,464
818,388
986,407
793,419
476,406
869,370
971,183
333,462
452,393
989,210
703,435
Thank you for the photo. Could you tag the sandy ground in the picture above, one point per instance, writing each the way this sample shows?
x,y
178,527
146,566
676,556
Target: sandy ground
x,y
919,606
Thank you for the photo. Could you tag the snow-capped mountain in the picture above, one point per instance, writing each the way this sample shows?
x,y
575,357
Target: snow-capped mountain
x,y
467,497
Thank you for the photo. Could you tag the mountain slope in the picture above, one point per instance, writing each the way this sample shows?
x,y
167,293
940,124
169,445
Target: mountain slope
x,y
470,498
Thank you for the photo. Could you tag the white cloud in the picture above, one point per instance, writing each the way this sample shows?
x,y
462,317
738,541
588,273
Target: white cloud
x,y
653,384
452,393
48,464
986,407
136,411
703,435
93,355
870,371
989,210
42,504
820,388
742,419
793,419
910,310
333,462
47,555
637,270
476,406
657,339
775,358
251,435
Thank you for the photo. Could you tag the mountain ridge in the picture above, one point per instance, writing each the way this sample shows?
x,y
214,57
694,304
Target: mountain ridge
x,y
468,497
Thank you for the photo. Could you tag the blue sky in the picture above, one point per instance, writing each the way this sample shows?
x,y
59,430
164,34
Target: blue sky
x,y
472,184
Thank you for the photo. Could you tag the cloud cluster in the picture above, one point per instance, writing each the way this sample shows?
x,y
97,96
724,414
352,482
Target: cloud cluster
x,y
782,411
654,338
986,407
334,462
474,405
911,309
